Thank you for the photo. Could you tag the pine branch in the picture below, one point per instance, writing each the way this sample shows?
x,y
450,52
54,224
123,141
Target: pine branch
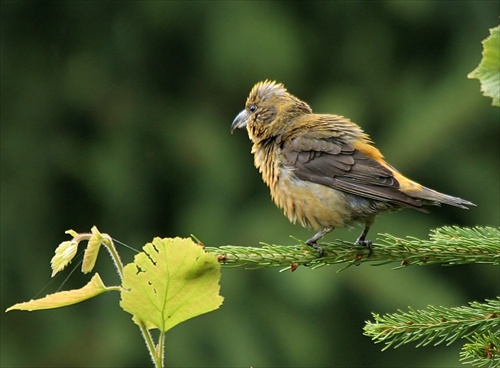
x,y
479,323
450,245
482,350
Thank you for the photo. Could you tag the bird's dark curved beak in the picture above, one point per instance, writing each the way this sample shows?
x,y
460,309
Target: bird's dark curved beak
x,y
240,121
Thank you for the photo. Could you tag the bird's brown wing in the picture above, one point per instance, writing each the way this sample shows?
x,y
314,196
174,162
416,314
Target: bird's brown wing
x,y
339,166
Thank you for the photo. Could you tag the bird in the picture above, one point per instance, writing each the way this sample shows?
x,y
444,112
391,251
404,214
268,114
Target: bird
x,y
323,170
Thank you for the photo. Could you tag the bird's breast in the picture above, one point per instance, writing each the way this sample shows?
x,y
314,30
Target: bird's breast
x,y
312,205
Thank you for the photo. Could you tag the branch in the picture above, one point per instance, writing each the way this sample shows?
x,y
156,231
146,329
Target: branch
x,y
479,323
482,350
450,245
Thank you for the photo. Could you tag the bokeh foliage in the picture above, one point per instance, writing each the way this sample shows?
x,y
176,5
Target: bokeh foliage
x,y
117,114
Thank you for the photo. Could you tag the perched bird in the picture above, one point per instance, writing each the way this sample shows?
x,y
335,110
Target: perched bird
x,y
323,170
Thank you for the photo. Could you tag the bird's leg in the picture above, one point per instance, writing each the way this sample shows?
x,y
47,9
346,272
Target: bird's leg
x,y
313,242
361,239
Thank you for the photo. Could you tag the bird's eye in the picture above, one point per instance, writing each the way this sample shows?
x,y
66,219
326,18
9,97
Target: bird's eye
x,y
252,108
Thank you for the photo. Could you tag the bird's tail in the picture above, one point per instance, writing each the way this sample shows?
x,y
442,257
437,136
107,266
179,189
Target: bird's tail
x,y
435,198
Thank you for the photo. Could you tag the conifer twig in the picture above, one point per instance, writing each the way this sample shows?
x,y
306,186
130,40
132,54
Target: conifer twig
x,y
434,324
450,245
479,323
482,350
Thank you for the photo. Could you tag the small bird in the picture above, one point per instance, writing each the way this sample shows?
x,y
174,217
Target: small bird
x,y
323,170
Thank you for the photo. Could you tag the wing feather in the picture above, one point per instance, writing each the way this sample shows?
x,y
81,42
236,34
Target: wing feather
x,y
339,166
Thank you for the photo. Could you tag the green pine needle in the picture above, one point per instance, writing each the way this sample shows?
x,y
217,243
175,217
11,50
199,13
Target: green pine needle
x,y
435,325
450,245
482,350
479,323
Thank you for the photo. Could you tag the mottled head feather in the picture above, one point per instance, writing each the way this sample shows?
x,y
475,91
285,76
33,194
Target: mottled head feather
x,y
263,91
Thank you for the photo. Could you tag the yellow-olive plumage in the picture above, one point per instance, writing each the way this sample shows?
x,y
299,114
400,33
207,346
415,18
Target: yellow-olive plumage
x,y
323,170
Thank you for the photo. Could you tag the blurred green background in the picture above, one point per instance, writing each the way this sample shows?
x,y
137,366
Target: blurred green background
x,y
117,114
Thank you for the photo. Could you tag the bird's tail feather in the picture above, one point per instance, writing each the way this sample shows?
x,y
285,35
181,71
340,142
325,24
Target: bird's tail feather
x,y
437,198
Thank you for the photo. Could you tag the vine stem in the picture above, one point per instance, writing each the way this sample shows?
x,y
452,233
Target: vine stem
x,y
156,353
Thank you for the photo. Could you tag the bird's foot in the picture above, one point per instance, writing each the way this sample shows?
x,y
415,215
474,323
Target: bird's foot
x,y
313,243
366,243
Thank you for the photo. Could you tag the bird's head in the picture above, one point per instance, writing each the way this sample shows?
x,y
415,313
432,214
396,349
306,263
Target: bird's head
x,y
268,111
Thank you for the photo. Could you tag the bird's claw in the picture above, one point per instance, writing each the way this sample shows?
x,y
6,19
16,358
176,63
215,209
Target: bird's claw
x,y
366,243
315,245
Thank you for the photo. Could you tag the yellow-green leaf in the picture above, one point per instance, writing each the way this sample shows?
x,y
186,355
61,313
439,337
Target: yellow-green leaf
x,y
64,298
64,254
488,70
92,250
171,281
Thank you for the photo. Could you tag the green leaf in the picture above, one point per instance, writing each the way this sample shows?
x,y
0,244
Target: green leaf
x,y
92,250
488,70
171,281
64,298
64,254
